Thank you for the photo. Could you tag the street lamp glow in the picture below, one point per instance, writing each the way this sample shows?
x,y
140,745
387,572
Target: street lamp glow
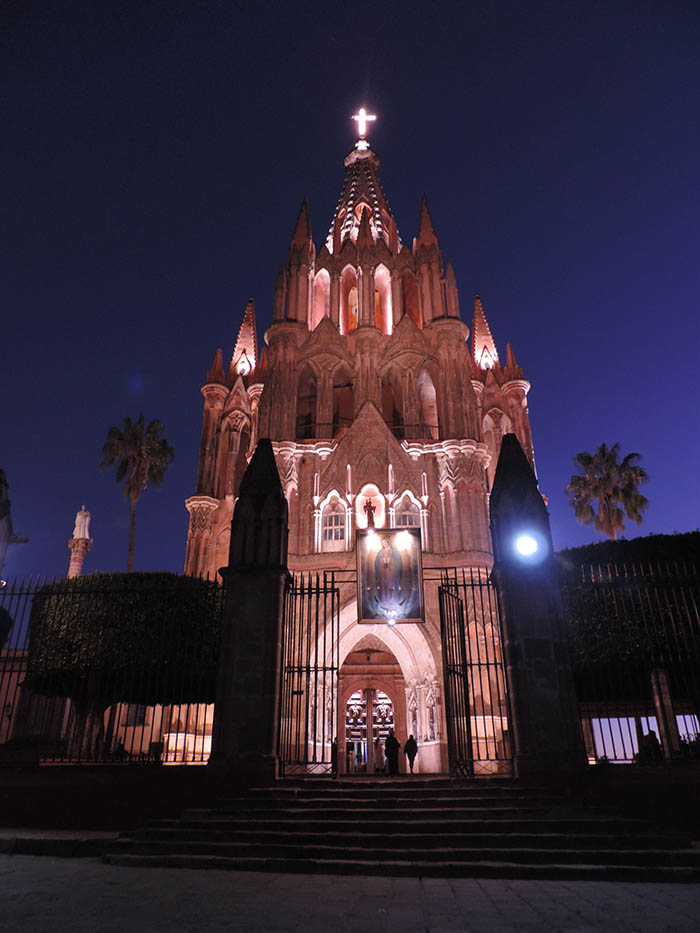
x,y
526,545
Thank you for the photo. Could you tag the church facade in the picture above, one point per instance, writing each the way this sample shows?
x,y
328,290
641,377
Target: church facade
x,y
380,406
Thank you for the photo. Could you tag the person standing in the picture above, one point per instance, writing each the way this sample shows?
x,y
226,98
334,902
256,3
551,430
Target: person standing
x,y
391,750
411,750
378,756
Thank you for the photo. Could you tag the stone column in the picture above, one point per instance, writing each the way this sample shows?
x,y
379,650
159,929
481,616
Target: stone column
x,y
78,549
244,738
335,299
544,714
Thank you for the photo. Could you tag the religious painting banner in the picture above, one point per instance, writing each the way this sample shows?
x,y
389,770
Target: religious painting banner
x,y
389,575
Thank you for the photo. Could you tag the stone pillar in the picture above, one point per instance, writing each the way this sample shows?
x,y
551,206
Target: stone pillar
x,y
545,722
244,738
78,549
335,299
665,716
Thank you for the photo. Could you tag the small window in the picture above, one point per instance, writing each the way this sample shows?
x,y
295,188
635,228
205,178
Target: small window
x,y
333,528
407,514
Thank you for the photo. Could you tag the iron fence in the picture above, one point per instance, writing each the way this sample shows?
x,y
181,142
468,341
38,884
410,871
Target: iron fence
x,y
309,687
116,668
634,637
476,699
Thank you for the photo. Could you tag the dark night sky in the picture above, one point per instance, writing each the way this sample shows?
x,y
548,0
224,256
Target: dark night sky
x,y
154,157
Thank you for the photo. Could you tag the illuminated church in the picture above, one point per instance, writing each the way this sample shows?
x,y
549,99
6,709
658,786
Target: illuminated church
x,y
371,392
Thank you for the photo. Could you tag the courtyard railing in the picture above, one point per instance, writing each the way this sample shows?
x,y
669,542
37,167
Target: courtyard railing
x,y
117,668
634,636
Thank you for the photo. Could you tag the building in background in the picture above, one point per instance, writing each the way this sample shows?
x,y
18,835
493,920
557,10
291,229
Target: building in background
x,y
378,406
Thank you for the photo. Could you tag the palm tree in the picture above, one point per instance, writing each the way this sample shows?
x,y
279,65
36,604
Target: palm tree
x,y
143,458
612,484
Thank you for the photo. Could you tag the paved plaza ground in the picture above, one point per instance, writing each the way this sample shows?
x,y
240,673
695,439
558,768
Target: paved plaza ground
x,y
52,895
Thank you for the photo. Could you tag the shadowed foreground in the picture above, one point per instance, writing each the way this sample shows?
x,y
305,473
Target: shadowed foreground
x,y
42,894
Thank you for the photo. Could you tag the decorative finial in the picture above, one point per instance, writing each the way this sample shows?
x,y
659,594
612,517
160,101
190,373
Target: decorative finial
x,y
363,118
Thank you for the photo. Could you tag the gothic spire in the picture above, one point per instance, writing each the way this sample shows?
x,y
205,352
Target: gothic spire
x,y
245,353
362,193
302,230
216,372
484,352
426,230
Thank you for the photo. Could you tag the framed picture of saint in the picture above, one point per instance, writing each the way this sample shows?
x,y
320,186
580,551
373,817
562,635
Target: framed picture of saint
x,y
389,575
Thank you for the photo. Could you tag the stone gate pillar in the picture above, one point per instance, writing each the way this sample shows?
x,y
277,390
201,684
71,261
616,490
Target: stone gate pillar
x,y
545,723
244,737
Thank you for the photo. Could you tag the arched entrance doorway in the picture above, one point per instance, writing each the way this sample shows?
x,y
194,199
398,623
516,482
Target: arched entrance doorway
x,y
371,700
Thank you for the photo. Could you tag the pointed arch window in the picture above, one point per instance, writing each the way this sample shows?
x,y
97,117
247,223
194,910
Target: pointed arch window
x,y
306,406
430,425
407,514
343,401
392,407
348,300
333,526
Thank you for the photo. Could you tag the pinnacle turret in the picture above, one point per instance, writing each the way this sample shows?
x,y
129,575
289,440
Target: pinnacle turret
x,y
484,351
302,229
216,371
426,230
245,353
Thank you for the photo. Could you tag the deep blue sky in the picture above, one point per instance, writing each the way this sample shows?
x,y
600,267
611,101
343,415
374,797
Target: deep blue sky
x,y
154,157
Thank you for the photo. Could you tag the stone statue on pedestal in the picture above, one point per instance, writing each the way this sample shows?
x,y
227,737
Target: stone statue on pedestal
x,y
80,542
82,523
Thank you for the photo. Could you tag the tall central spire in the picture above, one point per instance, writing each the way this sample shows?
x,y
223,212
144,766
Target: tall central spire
x,y
362,194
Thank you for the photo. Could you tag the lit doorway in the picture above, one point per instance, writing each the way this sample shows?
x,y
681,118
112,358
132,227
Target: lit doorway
x,y
369,715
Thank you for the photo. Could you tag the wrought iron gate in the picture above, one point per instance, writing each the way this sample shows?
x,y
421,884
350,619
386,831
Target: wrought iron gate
x,y
476,700
309,687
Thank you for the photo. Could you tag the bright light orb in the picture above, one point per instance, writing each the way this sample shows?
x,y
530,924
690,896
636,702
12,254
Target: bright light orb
x,y
373,541
526,545
403,540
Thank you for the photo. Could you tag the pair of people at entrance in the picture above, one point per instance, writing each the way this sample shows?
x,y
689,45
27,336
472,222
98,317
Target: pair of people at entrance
x,y
392,747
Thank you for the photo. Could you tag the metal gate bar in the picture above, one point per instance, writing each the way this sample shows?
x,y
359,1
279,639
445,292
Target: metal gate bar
x,y
308,695
476,698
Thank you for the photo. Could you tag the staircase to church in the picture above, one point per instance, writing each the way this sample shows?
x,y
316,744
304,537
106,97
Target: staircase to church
x,y
412,827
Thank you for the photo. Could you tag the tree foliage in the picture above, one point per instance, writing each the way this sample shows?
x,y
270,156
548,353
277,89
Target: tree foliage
x,y
144,638
143,457
607,489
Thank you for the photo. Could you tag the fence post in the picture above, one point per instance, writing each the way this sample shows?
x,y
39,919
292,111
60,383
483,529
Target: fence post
x,y
244,735
665,717
545,722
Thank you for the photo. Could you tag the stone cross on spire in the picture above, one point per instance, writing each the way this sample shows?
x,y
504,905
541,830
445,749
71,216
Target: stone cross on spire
x,y
363,118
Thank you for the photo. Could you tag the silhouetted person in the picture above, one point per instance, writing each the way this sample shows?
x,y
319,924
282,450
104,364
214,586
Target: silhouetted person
x,y
391,750
651,748
410,751
378,756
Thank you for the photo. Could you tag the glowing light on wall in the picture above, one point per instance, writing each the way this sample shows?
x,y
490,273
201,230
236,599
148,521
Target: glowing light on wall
x,y
403,541
526,545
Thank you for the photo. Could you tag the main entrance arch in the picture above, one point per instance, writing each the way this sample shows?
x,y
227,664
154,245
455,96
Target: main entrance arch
x,y
401,662
371,692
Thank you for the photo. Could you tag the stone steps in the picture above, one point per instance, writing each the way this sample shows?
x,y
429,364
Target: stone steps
x,y
431,828
421,869
404,841
533,855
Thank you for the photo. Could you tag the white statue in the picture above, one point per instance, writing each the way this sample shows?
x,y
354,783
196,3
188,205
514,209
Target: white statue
x,y
82,523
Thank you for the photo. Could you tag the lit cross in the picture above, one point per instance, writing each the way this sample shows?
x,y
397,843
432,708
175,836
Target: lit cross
x,y
362,118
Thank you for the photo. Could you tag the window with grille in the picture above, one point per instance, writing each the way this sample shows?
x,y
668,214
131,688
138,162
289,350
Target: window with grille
x,y
407,516
333,529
